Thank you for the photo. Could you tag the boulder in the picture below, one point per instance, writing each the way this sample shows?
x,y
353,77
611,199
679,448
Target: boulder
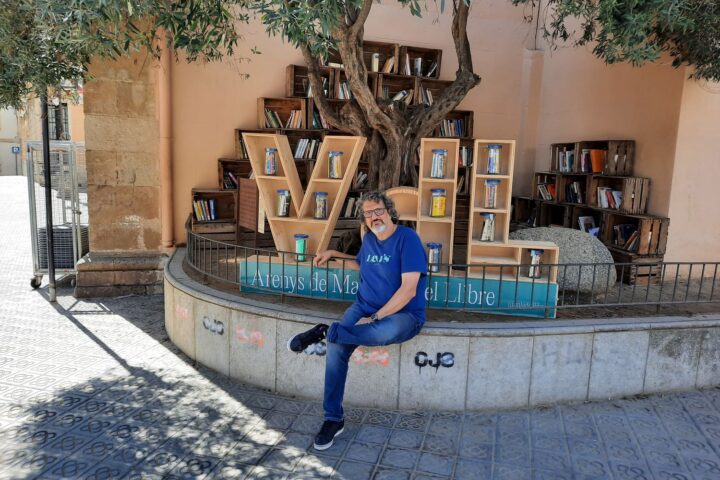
x,y
576,247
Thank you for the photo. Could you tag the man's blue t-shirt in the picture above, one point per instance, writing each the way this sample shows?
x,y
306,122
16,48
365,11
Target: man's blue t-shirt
x,y
382,262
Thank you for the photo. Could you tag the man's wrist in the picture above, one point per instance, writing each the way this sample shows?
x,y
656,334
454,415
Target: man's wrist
x,y
374,317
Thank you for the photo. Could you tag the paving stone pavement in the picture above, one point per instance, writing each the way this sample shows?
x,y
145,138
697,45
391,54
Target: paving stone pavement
x,y
94,389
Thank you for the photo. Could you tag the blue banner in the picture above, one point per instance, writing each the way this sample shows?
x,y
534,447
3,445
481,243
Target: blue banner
x,y
506,297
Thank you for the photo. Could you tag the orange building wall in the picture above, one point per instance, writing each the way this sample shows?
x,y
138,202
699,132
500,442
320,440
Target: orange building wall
x,y
694,218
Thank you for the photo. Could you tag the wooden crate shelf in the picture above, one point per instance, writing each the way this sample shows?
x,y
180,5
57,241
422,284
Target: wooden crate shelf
x,y
636,269
384,51
652,231
238,168
429,56
224,226
572,188
297,81
283,107
634,191
457,124
617,157
550,180
390,85
435,87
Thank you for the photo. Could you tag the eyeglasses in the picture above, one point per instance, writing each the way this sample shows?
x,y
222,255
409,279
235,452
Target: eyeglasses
x,y
369,213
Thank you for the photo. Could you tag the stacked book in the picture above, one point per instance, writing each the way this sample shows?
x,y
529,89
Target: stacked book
x,y
389,64
204,210
295,119
609,198
307,148
272,119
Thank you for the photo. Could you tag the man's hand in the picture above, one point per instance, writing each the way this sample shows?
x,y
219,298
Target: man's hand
x,y
323,257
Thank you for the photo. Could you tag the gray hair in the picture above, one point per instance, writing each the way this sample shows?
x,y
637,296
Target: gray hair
x,y
378,197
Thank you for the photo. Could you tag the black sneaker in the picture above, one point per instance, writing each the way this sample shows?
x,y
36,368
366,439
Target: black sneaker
x,y
301,341
328,432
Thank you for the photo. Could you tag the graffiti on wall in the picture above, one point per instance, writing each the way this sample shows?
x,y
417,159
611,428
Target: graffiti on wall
x,y
213,326
446,360
371,356
251,337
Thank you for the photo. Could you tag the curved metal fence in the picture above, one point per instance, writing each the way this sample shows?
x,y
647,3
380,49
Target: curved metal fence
x,y
476,288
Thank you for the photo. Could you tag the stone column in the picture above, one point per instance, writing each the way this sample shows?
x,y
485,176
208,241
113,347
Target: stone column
x,y
122,148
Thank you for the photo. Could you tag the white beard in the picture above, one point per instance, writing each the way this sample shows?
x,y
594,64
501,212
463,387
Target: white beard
x,y
379,229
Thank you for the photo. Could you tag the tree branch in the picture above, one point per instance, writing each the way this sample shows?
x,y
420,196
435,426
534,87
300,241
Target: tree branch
x,y
423,121
357,27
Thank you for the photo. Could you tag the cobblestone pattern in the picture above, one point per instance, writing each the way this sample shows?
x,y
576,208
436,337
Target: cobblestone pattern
x,y
94,389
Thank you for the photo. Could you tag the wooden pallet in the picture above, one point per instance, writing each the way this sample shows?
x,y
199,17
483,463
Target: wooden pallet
x,y
637,269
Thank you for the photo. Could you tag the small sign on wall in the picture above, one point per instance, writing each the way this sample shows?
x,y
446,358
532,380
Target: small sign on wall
x,y
15,150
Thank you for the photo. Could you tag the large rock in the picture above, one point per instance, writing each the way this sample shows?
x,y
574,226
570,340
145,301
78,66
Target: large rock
x,y
576,247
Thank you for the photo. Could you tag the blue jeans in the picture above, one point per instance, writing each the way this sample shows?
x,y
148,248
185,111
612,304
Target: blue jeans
x,y
342,339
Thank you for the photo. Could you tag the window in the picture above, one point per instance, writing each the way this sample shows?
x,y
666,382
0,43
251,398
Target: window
x,y
58,122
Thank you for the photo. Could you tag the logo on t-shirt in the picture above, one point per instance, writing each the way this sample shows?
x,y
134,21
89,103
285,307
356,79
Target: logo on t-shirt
x,y
377,258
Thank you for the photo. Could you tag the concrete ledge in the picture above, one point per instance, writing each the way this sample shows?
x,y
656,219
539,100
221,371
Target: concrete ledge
x,y
493,365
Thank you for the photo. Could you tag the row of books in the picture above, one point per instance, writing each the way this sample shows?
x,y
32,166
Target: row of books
x,y
609,198
273,120
566,160
343,92
417,69
453,128
350,207
361,180
307,148
204,210
465,158
573,193
546,191
627,236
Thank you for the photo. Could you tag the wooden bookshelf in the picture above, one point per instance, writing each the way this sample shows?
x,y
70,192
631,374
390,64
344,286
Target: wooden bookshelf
x,y
394,84
436,88
297,80
223,226
635,192
617,157
383,50
300,218
544,178
283,107
428,55
461,117
572,187
240,168
437,229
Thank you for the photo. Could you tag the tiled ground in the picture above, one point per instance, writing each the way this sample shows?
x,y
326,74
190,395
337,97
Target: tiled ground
x,y
93,389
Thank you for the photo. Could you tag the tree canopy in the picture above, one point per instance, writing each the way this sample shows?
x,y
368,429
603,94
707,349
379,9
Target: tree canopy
x,y
46,42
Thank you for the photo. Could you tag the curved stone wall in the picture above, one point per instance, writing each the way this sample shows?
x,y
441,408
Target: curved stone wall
x,y
448,366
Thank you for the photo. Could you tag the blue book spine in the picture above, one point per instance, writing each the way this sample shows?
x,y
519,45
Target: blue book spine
x,y
212,209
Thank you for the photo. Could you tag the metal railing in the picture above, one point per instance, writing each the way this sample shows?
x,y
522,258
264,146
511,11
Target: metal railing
x,y
468,287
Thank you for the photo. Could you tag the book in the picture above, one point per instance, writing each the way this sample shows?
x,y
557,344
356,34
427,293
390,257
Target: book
x,y
431,69
211,208
336,65
401,95
389,64
487,234
631,243
461,183
586,223
465,157
617,197
406,66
